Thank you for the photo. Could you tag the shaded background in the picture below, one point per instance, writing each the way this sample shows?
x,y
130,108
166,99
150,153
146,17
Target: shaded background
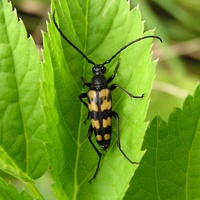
x,y
176,22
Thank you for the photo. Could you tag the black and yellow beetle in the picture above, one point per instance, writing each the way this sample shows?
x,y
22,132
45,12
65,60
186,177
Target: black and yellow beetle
x,y
100,100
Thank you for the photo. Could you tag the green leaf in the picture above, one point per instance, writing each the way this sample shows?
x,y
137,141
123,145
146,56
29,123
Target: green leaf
x,y
96,28
170,168
22,130
9,192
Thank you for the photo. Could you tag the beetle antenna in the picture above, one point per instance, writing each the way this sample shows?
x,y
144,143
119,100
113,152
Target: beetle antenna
x,y
65,38
129,44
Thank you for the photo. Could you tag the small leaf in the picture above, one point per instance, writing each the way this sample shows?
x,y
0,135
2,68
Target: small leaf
x,y
99,29
170,168
22,130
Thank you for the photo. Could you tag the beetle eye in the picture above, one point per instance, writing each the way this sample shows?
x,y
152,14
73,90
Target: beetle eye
x,y
103,69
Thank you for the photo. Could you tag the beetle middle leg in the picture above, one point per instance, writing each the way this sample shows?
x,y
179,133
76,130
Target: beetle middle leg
x,y
116,116
113,86
81,96
90,131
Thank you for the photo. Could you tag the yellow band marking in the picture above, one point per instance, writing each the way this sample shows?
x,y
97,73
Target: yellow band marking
x,y
106,104
92,94
93,106
95,124
106,122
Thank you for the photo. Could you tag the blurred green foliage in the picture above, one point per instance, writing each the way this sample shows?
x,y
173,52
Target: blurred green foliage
x,y
178,70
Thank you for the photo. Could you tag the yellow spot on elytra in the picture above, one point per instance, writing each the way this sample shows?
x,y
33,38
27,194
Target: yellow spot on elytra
x,y
106,122
92,98
93,107
98,137
106,136
104,95
95,124
92,94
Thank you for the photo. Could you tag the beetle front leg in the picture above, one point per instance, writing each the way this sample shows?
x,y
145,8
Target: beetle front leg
x,y
116,116
113,76
90,131
85,83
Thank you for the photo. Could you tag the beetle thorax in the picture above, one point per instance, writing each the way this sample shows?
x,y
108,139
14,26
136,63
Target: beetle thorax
x,y
98,82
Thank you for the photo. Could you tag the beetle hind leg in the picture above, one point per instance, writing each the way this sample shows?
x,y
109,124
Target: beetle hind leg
x,y
88,117
116,116
113,86
90,131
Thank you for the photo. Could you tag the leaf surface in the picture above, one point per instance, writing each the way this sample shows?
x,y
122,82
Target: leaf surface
x,y
170,168
22,129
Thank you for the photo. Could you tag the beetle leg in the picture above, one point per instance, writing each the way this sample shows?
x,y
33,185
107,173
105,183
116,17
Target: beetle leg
x,y
81,96
113,86
88,117
90,131
116,116
113,76
85,83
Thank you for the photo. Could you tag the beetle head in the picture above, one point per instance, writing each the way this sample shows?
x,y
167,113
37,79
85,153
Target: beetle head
x,y
99,69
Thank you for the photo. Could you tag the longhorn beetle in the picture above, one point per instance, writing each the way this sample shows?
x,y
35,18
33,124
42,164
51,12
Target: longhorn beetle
x,y
100,100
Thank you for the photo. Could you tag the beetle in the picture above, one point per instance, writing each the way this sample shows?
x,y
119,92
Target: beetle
x,y
100,100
